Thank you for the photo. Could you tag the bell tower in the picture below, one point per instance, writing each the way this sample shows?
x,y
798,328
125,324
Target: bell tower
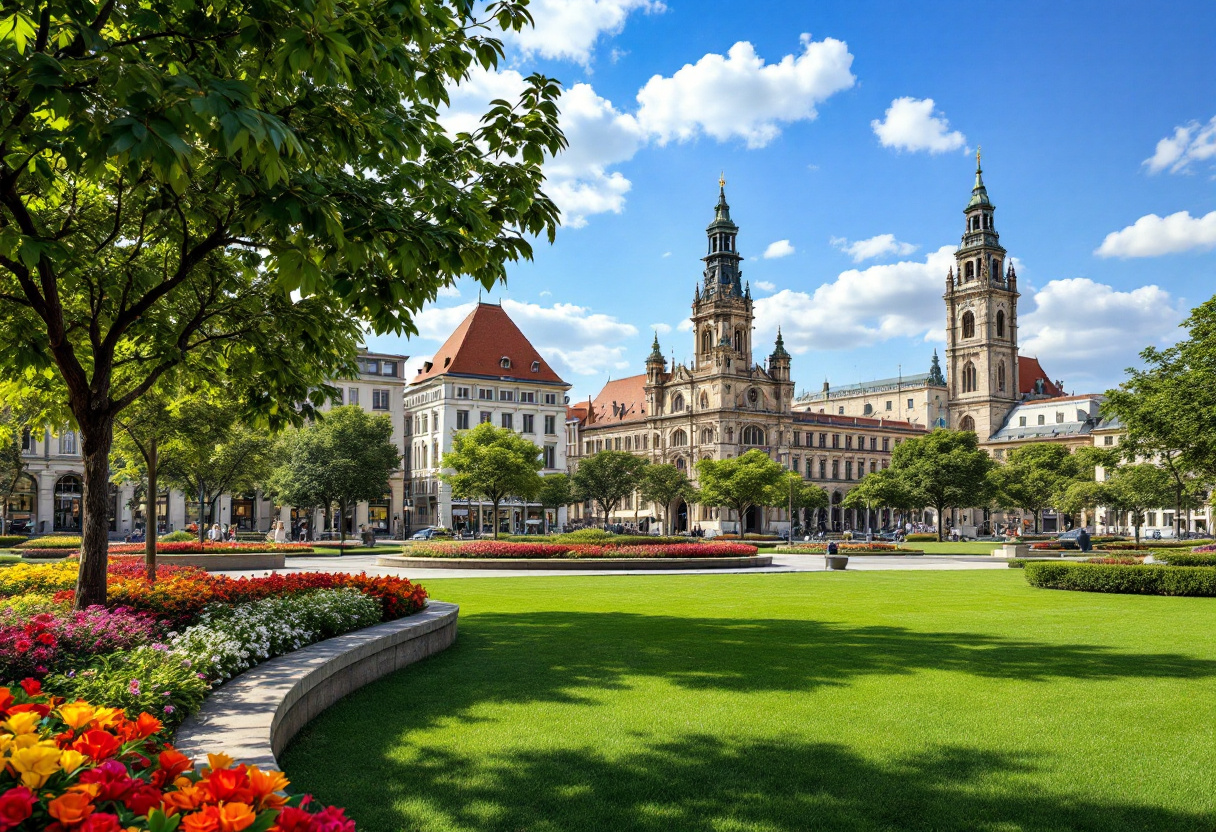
x,y
981,322
722,305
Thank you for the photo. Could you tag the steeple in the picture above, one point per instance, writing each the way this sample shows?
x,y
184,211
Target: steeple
x,y
979,194
656,365
722,257
656,354
779,349
935,372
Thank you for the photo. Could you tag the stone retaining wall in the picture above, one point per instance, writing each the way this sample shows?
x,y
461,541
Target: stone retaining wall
x,y
575,563
255,715
226,560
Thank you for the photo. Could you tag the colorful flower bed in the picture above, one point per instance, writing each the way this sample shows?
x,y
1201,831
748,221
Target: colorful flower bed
x,y
196,548
844,548
51,542
503,549
71,766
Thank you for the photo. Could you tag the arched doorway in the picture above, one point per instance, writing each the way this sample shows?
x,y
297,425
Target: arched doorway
x,y
836,511
752,520
69,503
681,517
22,506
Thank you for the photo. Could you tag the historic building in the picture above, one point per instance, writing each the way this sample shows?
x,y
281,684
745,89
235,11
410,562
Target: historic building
x,y
726,403
486,371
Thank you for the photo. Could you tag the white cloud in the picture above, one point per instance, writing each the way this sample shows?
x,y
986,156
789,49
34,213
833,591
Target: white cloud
x,y
1193,142
667,254
545,293
861,306
781,248
684,325
1078,326
1153,236
766,286
882,245
740,96
569,29
661,329
911,125
449,292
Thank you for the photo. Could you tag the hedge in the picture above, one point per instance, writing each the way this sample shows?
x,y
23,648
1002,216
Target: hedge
x,y
9,541
596,537
1187,558
920,537
1020,563
1139,580
1155,544
52,542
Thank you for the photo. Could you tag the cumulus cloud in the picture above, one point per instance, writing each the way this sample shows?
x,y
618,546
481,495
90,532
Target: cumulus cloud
x,y
781,248
910,125
570,29
1153,236
861,306
1190,143
766,286
684,325
661,329
1084,330
738,95
449,292
883,245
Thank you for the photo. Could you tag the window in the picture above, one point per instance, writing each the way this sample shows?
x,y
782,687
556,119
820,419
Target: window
x,y
550,456
29,444
968,325
462,392
886,444
529,423
840,410
677,403
380,399
508,421
425,421
867,410
795,463
550,398
835,440
707,436
67,442
679,439
1042,419
1000,323
848,470
483,417
629,443
753,435
462,420
550,425
969,380
738,340
873,466
1059,418
616,443
848,442
1021,421
1108,440
486,394
797,438
389,368
373,368
704,400
835,469
911,404
705,341
352,395
527,396
506,395
967,423
873,443
823,440
1000,377
681,464
505,363
588,450
823,469
889,403
536,366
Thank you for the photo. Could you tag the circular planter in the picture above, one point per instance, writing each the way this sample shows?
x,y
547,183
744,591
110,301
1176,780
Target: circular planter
x,y
837,562
220,562
580,564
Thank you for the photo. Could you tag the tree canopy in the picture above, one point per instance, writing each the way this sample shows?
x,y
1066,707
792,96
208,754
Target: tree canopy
x,y
739,482
556,490
944,469
608,477
1137,489
492,464
1033,476
246,183
663,484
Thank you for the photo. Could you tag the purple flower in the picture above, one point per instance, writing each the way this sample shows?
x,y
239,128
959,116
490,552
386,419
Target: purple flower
x,y
133,688
169,709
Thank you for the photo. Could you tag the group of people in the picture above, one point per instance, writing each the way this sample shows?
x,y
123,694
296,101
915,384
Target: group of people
x,y
227,534
279,533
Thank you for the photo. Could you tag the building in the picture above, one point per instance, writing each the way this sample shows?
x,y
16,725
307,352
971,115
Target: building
x,y
486,371
724,404
49,497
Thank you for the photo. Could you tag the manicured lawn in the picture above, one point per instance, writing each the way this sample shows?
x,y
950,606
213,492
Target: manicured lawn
x,y
967,547
785,702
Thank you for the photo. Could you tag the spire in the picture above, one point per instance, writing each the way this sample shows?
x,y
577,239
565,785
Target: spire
x,y
748,291
656,354
779,350
979,194
722,209
935,372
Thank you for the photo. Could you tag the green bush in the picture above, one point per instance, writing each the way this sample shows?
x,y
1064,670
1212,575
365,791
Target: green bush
x,y
1186,558
1140,580
11,540
920,537
61,541
1020,563
180,536
1155,544
595,537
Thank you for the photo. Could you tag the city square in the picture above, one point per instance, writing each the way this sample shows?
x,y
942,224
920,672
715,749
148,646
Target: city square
x,y
581,414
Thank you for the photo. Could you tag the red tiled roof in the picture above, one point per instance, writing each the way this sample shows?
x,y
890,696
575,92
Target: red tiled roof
x,y
1029,371
629,396
578,411
478,345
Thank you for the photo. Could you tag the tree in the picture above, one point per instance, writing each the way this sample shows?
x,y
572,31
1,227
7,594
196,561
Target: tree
x,y
608,477
212,452
944,469
1137,489
12,462
1032,476
493,464
346,456
556,491
740,482
1168,409
795,494
662,485
245,183
880,489
1080,495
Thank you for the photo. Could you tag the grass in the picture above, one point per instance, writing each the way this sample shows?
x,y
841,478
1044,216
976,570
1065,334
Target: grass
x,y
782,703
965,547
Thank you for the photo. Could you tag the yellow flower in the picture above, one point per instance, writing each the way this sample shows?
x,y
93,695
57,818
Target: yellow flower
x,y
70,760
76,714
106,717
6,741
219,762
35,764
26,741
25,722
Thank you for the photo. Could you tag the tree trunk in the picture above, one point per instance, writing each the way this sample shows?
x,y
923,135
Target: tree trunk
x,y
495,520
941,521
151,525
202,500
342,523
96,440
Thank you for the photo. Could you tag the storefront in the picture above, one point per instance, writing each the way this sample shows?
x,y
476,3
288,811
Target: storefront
x,y
69,503
244,513
22,506
379,515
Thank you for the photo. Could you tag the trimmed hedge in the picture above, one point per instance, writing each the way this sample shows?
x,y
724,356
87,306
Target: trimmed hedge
x,y
1020,563
920,537
52,542
1187,558
1155,544
8,541
1137,580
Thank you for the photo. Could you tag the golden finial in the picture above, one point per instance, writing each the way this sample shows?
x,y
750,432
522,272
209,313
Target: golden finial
x,y
722,179
978,148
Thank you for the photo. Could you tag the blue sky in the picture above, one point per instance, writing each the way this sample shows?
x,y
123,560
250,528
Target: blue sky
x,y
847,133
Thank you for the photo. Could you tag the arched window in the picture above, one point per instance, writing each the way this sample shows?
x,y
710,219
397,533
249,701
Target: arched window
x,y
504,362
1000,377
679,439
738,340
657,442
753,435
677,403
69,493
968,377
706,341
680,463
868,409
969,270
996,271
968,325
707,436
1000,323
967,423
704,400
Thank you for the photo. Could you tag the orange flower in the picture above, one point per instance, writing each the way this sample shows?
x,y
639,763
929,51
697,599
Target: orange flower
x,y
264,784
185,798
236,816
146,726
97,744
217,762
71,808
228,784
208,820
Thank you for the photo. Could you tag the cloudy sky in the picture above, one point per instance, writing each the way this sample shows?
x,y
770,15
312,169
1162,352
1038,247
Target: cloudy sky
x,y
847,133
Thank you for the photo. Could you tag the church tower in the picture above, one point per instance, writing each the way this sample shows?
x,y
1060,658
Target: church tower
x,y
722,306
981,322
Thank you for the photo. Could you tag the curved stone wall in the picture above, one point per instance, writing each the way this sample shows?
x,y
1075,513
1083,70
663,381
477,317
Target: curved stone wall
x,y
575,563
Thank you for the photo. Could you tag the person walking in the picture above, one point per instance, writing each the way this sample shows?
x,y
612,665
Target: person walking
x,y
214,534
280,532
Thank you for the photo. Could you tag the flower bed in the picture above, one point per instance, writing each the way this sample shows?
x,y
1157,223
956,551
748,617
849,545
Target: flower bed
x,y
8,541
51,542
1053,546
502,549
86,768
1131,545
845,548
1140,579
595,537
196,548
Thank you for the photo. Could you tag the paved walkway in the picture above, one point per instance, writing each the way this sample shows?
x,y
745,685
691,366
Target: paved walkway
x,y
781,563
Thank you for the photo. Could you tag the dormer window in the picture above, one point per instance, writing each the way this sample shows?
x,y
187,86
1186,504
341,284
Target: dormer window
x,y
505,363
536,366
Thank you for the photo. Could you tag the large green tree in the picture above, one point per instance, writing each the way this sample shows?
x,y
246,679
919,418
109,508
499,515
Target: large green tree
x,y
881,489
663,484
944,469
796,494
344,457
493,464
608,477
740,482
556,491
1137,489
1032,476
246,182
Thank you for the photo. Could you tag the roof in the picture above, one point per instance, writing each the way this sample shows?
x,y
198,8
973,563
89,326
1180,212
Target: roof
x,y
1030,371
1080,422
620,402
879,385
836,420
578,411
478,346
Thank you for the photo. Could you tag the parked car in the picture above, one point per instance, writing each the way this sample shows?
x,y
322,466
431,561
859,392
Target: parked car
x,y
432,533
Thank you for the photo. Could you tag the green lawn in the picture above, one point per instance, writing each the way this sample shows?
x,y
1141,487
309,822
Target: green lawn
x,y
785,702
967,547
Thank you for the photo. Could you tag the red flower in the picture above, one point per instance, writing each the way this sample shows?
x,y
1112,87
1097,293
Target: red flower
x,y
292,819
16,804
32,687
143,798
229,784
47,638
332,819
96,744
172,762
100,822
111,778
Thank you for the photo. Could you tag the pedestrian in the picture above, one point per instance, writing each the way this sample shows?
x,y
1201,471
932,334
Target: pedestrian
x,y
214,534
304,532
280,532
1083,540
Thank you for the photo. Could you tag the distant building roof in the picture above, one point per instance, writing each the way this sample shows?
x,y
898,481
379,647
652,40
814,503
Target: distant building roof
x,y
1080,422
1030,371
803,417
622,400
488,344
876,386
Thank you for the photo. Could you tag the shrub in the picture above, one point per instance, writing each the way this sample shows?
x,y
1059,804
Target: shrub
x,y
1131,545
51,542
8,541
1054,546
1020,563
1196,558
845,548
1125,560
506,549
753,536
179,536
1208,548
1142,579
920,537
193,547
